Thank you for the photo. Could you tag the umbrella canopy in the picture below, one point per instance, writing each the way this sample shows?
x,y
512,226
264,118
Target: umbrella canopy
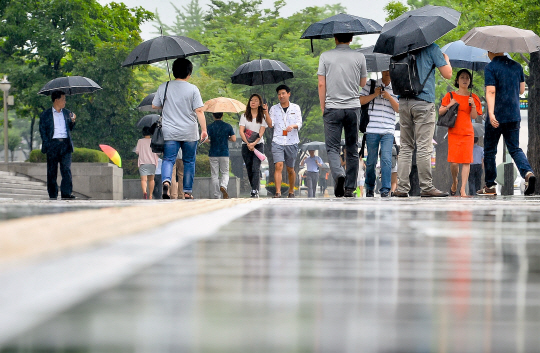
x,y
148,120
341,23
224,105
375,62
261,72
466,57
479,129
312,146
500,39
163,48
70,85
146,104
416,29
112,154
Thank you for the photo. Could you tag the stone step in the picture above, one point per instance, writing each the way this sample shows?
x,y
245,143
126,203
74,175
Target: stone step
x,y
23,196
7,191
17,181
10,187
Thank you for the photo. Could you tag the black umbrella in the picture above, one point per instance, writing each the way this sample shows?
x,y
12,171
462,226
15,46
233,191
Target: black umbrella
x,y
163,48
416,29
146,103
261,72
70,85
148,120
375,62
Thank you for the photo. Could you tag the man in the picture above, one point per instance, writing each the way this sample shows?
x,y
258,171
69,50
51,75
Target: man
x,y
477,168
55,125
380,132
219,134
417,120
313,165
286,119
342,71
504,82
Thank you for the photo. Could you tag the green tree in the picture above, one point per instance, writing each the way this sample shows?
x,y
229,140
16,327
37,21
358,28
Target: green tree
x,y
394,9
188,19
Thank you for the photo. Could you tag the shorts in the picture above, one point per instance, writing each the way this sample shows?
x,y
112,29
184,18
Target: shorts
x,y
361,182
147,169
394,169
286,153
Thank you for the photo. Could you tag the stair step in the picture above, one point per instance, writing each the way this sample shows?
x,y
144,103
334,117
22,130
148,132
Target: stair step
x,y
7,191
23,197
22,182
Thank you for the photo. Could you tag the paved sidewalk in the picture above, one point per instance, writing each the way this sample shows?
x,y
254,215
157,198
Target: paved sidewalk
x,y
323,275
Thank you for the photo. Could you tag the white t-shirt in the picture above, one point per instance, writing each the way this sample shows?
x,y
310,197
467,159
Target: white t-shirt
x,y
252,125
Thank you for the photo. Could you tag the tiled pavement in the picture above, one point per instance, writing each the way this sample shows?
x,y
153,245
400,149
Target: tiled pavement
x,y
381,276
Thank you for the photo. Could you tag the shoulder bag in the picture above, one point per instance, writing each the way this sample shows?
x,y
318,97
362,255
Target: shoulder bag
x,y
157,143
448,119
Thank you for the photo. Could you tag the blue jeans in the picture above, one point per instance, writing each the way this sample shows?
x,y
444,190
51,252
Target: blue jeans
x,y
510,132
386,142
189,150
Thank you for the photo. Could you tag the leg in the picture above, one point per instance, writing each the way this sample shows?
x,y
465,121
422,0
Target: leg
x,y
424,122
224,170
510,132
309,185
174,183
372,143
52,173
256,168
189,152
214,172
407,146
350,125
278,170
386,162
472,180
247,155
66,186
150,185
290,158
333,126
454,169
292,177
465,169
144,181
180,177
157,193
491,140
169,157
394,181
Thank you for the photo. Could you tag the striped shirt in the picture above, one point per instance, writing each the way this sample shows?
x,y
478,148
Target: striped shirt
x,y
382,117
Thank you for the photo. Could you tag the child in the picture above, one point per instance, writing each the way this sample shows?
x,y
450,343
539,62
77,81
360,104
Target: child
x,y
148,162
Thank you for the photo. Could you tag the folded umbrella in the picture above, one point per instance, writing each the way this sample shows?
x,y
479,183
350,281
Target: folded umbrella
x,y
70,85
375,62
112,154
261,72
146,104
259,154
416,29
224,105
500,39
148,120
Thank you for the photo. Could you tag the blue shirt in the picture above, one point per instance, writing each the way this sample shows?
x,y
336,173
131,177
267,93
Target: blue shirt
x,y
478,154
506,75
311,164
219,133
424,62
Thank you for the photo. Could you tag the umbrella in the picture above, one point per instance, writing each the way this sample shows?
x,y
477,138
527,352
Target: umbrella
x,y
261,72
499,39
112,154
416,29
313,145
479,129
70,85
146,103
466,57
341,23
259,154
224,105
375,62
163,48
148,120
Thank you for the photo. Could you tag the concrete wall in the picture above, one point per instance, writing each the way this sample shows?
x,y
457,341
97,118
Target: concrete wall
x,y
201,188
102,181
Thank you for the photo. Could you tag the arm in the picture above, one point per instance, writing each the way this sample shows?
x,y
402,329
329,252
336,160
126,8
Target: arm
x,y
267,117
43,132
202,122
393,102
521,87
298,119
232,138
363,81
369,98
322,91
490,100
242,135
303,161
446,70
252,145
444,108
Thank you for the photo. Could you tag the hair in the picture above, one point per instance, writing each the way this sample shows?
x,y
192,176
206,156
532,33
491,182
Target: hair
x,y
57,95
475,139
217,115
456,81
147,131
182,68
285,87
343,37
260,111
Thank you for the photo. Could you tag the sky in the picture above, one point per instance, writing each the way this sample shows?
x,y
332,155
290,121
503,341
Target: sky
x,y
372,9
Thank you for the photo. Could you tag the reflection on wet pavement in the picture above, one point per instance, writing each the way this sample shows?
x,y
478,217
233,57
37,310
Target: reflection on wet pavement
x,y
327,276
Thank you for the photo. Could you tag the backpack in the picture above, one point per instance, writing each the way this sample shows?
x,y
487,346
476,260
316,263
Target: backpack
x,y
404,75
364,116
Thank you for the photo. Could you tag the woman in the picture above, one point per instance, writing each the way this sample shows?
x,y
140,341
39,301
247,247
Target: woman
x,y
252,126
147,163
461,136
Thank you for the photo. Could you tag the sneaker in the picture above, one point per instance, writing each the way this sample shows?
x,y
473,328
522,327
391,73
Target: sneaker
x,y
370,193
339,190
530,181
487,191
349,192
400,194
224,192
254,194
433,193
68,197
384,194
165,194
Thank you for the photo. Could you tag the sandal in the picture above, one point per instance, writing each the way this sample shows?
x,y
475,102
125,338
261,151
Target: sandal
x,y
188,196
277,195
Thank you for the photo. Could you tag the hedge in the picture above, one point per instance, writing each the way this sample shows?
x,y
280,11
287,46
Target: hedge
x,y
80,155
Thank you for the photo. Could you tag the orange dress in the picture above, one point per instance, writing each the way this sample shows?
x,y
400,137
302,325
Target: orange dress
x,y
461,136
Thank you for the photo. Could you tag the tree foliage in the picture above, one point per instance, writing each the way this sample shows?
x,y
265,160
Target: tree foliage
x,y
394,9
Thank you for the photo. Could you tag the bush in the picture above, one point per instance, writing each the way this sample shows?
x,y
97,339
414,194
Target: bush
x,y
202,166
80,155
131,167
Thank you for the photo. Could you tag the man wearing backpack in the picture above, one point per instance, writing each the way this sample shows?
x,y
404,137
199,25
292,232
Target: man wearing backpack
x,y
342,71
383,106
417,119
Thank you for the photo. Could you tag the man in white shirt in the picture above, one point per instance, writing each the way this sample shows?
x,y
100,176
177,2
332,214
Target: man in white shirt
x,y
313,164
286,119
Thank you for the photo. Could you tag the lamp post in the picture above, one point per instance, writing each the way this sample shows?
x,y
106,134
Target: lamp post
x,y
5,85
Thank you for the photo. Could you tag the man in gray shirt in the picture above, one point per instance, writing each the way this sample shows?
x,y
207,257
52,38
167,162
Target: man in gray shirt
x,y
342,71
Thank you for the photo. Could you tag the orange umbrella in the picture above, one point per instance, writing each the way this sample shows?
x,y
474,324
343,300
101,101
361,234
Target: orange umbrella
x,y
224,105
112,154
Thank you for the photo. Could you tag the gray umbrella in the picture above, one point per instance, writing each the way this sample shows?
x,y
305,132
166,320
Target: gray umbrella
x,y
375,62
261,72
146,103
479,129
70,85
148,120
500,39
312,146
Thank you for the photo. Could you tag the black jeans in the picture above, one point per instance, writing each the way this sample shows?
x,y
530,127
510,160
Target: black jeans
x,y
475,178
59,152
336,120
253,165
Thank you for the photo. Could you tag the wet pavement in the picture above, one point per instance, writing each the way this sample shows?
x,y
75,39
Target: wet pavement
x,y
381,276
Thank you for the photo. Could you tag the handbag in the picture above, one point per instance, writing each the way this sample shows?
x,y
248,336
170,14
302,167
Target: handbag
x,y
157,143
448,119
251,135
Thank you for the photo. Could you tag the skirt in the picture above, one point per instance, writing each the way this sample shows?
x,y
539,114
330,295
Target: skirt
x,y
147,169
460,148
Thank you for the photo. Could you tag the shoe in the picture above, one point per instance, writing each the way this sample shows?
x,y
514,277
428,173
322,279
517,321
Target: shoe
x,y
53,198
166,195
254,194
384,194
452,193
487,191
291,196
69,197
349,192
400,194
370,193
224,192
339,190
145,195
530,182
277,195
188,196
433,193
